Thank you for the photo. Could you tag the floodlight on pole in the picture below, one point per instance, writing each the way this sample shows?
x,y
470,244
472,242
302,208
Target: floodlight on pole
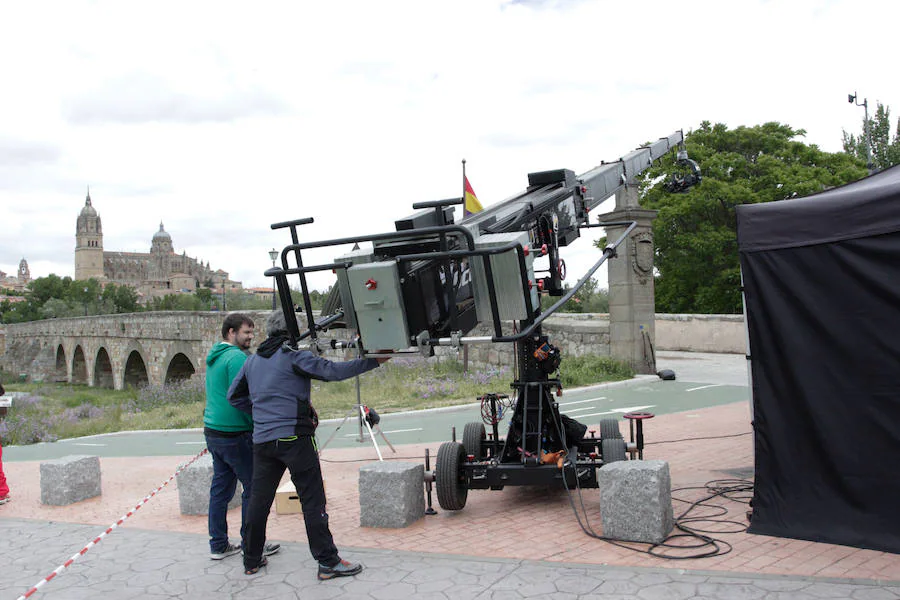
x,y
273,254
852,98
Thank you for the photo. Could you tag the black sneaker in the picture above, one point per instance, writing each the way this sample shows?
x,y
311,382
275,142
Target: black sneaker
x,y
345,568
229,550
270,549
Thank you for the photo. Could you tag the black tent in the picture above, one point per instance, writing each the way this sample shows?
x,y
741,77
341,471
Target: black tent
x,y
821,281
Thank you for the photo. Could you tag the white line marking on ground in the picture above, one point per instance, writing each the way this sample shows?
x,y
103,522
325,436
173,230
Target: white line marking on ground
x,y
627,409
188,443
402,430
575,410
582,401
609,412
703,387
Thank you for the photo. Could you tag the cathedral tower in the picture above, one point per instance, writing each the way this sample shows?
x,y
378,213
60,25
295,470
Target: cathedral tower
x,y
88,243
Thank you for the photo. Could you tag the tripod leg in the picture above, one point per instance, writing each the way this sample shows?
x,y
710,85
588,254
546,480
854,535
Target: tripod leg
x,y
384,437
371,435
334,433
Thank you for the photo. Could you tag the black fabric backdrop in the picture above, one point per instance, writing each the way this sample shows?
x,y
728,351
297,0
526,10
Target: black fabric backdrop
x,y
823,312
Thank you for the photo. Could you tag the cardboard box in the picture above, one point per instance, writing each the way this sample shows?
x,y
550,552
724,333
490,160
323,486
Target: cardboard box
x,y
287,502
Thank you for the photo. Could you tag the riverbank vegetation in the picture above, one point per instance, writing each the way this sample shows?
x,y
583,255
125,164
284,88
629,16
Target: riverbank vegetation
x,y
50,412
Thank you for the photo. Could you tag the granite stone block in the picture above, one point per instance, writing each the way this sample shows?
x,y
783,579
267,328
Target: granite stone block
x,y
391,494
70,479
636,500
193,487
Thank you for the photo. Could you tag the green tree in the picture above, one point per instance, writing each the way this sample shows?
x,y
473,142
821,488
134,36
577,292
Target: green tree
x,y
178,302
87,294
695,232
52,286
589,299
126,299
885,149
58,308
316,298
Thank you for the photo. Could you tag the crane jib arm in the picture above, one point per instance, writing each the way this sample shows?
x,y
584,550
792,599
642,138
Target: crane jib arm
x,y
433,279
568,196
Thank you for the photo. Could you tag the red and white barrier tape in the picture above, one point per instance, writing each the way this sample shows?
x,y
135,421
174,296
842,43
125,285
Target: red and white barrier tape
x,y
96,540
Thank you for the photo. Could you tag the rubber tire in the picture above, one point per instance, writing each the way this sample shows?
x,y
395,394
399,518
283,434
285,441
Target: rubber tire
x,y
449,478
609,428
612,449
473,439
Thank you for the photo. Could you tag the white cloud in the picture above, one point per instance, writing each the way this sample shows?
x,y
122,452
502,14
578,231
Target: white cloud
x,y
220,118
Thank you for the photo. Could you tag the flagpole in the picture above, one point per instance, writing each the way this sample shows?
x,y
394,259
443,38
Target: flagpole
x,y
464,187
465,347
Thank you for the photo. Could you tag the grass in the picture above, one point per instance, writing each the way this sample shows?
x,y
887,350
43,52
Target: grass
x,y
49,412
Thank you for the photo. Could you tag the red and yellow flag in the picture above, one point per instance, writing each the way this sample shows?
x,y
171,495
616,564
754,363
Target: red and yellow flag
x,y
472,205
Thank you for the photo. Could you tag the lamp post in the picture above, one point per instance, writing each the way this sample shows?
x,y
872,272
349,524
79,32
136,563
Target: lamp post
x,y
224,307
85,301
273,254
851,98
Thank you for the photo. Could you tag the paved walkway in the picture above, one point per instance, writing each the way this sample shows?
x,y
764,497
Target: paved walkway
x,y
516,543
149,565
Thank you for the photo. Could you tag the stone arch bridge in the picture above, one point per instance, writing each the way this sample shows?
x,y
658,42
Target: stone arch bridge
x,y
115,351
132,350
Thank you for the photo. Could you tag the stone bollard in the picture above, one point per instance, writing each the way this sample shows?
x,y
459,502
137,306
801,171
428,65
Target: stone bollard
x,y
636,500
193,487
391,494
70,479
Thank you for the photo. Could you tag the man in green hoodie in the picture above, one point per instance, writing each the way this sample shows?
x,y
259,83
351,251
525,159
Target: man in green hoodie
x,y
228,433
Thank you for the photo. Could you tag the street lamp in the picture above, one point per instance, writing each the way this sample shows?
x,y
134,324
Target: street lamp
x,y
85,301
851,98
224,308
273,254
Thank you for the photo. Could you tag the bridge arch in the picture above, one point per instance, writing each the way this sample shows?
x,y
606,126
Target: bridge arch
x,y
79,366
103,373
135,373
61,369
179,368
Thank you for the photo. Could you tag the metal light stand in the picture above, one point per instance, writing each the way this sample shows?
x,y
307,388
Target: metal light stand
x,y
360,409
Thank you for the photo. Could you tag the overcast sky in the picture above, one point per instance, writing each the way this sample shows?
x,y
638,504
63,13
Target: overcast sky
x,y
221,118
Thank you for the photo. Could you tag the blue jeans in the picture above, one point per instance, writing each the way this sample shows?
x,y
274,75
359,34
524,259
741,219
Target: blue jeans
x,y
232,461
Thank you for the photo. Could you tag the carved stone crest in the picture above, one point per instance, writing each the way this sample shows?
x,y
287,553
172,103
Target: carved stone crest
x,y
642,255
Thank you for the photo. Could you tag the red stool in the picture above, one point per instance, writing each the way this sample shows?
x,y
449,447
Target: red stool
x,y
639,417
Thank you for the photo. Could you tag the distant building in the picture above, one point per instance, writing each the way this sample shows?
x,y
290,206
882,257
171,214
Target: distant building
x,y
19,281
157,273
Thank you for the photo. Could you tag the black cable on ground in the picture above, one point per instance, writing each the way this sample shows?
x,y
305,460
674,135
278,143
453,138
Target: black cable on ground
x,y
730,489
353,460
712,437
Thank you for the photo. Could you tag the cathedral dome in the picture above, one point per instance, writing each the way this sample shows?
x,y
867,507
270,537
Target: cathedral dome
x,y
162,234
88,210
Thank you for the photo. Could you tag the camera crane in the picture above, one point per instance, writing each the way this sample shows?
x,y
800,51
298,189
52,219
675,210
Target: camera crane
x,y
432,280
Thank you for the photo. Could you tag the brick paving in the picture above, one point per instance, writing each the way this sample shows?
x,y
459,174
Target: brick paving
x,y
516,524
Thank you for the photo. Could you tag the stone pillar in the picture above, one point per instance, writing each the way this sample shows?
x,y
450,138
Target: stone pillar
x,y
632,308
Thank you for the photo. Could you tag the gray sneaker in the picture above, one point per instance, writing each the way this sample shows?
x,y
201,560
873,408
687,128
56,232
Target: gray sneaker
x,y
229,550
270,549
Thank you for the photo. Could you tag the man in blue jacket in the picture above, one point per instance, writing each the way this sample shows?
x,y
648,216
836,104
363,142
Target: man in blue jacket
x,y
274,386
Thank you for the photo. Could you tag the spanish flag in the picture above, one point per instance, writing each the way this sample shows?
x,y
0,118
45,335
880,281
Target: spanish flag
x,y
472,205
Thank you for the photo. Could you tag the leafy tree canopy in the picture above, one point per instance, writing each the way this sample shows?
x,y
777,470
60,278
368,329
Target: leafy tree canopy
x,y
695,233
885,148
